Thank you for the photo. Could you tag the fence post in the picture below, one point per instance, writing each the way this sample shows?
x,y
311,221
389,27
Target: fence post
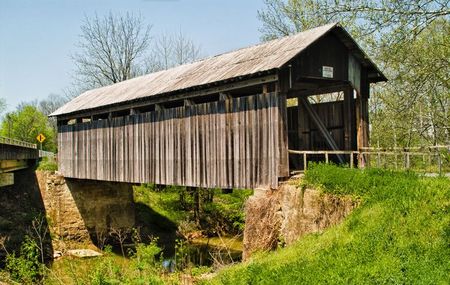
x,y
326,157
305,162
351,159
439,163
407,160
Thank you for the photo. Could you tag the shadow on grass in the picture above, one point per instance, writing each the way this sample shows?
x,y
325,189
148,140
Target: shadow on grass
x,y
154,225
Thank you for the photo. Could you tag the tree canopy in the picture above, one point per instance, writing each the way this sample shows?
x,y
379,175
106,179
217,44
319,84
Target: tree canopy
x,y
407,39
26,123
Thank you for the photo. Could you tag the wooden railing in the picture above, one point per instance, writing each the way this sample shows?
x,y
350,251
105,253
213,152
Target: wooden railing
x,y
11,141
427,159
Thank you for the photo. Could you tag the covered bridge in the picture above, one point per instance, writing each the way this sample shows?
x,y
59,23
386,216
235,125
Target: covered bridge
x,y
225,121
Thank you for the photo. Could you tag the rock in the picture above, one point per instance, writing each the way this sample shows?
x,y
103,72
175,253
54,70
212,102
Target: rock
x,y
57,254
83,253
288,213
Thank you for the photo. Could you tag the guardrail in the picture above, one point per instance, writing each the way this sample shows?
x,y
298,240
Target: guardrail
x,y
10,141
44,153
428,159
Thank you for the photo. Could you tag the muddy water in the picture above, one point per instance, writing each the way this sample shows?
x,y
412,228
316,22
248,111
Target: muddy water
x,y
206,252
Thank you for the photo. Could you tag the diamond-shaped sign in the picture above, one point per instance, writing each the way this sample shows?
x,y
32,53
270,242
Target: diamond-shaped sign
x,y
40,138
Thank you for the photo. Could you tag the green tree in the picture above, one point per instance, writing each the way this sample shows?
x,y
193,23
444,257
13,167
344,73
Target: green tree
x,y
414,108
407,39
26,123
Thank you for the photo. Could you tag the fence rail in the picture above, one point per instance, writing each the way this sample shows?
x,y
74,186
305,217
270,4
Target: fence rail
x,y
428,159
5,140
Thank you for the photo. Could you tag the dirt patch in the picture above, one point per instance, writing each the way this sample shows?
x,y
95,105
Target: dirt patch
x,y
284,215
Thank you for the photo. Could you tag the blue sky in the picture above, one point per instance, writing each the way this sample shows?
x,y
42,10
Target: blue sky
x,y
38,36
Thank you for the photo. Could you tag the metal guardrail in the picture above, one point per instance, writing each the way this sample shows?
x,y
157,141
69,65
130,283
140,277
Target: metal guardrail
x,y
430,159
44,153
10,141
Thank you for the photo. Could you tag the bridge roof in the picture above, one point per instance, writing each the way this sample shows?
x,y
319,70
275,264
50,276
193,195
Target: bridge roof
x,y
235,65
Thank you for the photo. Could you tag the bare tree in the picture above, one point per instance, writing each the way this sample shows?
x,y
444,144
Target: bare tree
x,y
2,105
39,232
121,235
170,51
51,103
112,49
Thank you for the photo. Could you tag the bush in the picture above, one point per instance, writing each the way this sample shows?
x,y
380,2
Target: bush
x,y
26,267
47,164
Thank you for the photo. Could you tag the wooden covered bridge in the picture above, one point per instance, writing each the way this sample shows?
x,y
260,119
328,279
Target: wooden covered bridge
x,y
225,121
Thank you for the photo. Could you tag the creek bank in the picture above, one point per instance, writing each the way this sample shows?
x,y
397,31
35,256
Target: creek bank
x,y
280,217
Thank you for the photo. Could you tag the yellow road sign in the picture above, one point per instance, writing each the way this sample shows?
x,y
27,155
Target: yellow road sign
x,y
40,138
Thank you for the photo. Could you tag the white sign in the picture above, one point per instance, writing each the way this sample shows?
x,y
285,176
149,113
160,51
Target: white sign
x,y
327,71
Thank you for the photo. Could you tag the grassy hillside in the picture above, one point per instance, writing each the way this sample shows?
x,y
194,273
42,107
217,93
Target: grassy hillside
x,y
400,234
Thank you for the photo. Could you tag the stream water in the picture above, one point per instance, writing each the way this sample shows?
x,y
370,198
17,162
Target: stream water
x,y
206,252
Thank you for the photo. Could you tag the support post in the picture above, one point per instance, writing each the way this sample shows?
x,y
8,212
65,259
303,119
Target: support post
x,y
188,102
362,117
348,118
265,89
224,96
304,132
305,161
159,107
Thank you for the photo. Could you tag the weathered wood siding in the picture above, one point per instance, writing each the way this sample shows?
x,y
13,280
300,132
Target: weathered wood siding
x,y
236,143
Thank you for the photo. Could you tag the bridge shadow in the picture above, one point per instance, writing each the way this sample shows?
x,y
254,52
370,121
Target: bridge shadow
x,y
153,225
20,205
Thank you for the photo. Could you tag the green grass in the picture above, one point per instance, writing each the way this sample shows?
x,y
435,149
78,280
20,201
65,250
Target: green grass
x,y
47,164
164,203
400,234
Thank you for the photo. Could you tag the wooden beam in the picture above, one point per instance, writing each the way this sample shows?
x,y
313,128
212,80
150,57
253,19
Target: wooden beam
x,y
348,118
320,125
224,96
362,117
134,111
304,132
318,91
265,89
188,102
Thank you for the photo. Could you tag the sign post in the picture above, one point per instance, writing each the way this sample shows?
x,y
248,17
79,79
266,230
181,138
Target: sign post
x,y
40,139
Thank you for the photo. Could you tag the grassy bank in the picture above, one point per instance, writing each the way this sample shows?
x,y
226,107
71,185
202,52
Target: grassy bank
x,y
399,234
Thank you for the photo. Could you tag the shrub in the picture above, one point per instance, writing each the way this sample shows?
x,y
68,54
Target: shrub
x,y
47,164
26,267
